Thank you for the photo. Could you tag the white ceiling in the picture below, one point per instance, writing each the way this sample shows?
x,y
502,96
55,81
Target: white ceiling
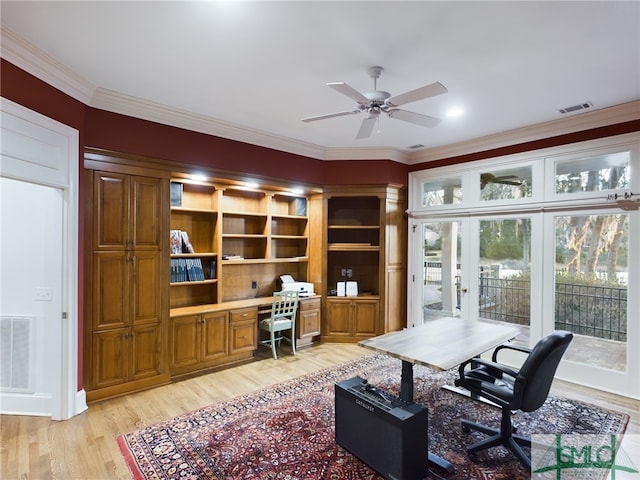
x,y
257,68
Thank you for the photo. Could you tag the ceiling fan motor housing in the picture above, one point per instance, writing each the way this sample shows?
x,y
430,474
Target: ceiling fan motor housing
x,y
377,96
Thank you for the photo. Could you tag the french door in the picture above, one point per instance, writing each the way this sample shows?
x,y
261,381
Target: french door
x,y
593,291
475,267
575,270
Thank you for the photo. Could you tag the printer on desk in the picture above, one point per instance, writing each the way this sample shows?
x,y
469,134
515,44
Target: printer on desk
x,y
304,289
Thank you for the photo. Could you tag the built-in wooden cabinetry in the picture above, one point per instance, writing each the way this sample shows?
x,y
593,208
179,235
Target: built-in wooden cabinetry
x,y
126,301
146,322
199,341
244,239
364,241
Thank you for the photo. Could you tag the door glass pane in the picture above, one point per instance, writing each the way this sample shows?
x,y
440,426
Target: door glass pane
x,y
446,191
441,269
505,272
603,172
591,287
508,184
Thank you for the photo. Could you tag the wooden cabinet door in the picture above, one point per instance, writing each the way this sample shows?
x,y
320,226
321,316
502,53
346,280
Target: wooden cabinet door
x,y
110,303
147,204
244,336
146,358
215,336
110,358
365,317
110,211
147,288
338,316
309,318
184,341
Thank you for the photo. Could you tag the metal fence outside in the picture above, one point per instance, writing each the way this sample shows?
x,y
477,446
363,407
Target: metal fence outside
x,y
593,310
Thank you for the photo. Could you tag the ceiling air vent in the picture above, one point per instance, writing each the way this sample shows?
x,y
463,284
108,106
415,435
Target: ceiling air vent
x,y
576,108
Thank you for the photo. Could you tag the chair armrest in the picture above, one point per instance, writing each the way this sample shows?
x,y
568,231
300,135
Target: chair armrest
x,y
509,346
487,363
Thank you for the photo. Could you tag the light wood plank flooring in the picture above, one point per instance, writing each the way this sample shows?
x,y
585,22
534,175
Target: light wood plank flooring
x,y
85,447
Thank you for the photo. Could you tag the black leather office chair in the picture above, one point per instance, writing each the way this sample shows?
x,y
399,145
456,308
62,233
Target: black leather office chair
x,y
524,389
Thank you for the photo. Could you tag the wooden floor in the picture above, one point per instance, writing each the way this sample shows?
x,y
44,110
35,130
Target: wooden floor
x,y
85,447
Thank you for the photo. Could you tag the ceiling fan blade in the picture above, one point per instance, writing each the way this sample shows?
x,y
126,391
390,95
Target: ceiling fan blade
x,y
413,117
367,127
349,91
330,115
417,94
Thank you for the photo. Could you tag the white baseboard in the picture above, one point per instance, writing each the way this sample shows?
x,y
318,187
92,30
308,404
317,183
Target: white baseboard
x,y
25,404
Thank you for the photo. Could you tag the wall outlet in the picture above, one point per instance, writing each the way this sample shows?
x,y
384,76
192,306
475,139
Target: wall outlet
x,y
254,284
347,272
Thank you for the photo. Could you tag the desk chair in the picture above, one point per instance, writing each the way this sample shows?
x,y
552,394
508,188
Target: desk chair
x,y
282,318
524,389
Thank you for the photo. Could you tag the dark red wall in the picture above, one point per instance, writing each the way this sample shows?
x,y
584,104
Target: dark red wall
x,y
121,133
345,172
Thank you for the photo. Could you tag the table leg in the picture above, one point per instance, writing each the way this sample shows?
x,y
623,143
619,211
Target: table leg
x,y
406,394
406,381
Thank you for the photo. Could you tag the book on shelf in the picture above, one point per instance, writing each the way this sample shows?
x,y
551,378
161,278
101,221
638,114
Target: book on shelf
x,y
231,256
176,241
180,242
187,270
176,194
178,270
186,244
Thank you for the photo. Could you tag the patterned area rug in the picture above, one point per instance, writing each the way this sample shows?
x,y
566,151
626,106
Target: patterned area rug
x,y
287,431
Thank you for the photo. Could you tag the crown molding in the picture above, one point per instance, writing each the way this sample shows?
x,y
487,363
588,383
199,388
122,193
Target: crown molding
x,y
598,118
147,110
370,153
36,62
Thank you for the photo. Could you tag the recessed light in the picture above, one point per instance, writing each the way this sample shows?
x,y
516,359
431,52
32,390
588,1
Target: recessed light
x,y
455,112
198,177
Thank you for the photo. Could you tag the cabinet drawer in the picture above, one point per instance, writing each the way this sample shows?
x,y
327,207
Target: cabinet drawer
x,y
309,304
243,336
240,314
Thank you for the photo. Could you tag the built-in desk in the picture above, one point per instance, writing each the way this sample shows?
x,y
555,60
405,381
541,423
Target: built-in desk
x,y
221,334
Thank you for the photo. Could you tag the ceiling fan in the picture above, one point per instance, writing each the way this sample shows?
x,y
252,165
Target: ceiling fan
x,y
376,102
486,178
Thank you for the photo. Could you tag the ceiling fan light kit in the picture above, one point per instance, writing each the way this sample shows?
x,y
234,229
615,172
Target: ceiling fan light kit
x,y
378,101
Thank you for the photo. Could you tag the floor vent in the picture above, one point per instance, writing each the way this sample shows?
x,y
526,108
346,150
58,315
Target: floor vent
x,y
16,353
576,108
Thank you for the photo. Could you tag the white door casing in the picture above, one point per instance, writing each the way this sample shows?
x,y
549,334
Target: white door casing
x,y
42,155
